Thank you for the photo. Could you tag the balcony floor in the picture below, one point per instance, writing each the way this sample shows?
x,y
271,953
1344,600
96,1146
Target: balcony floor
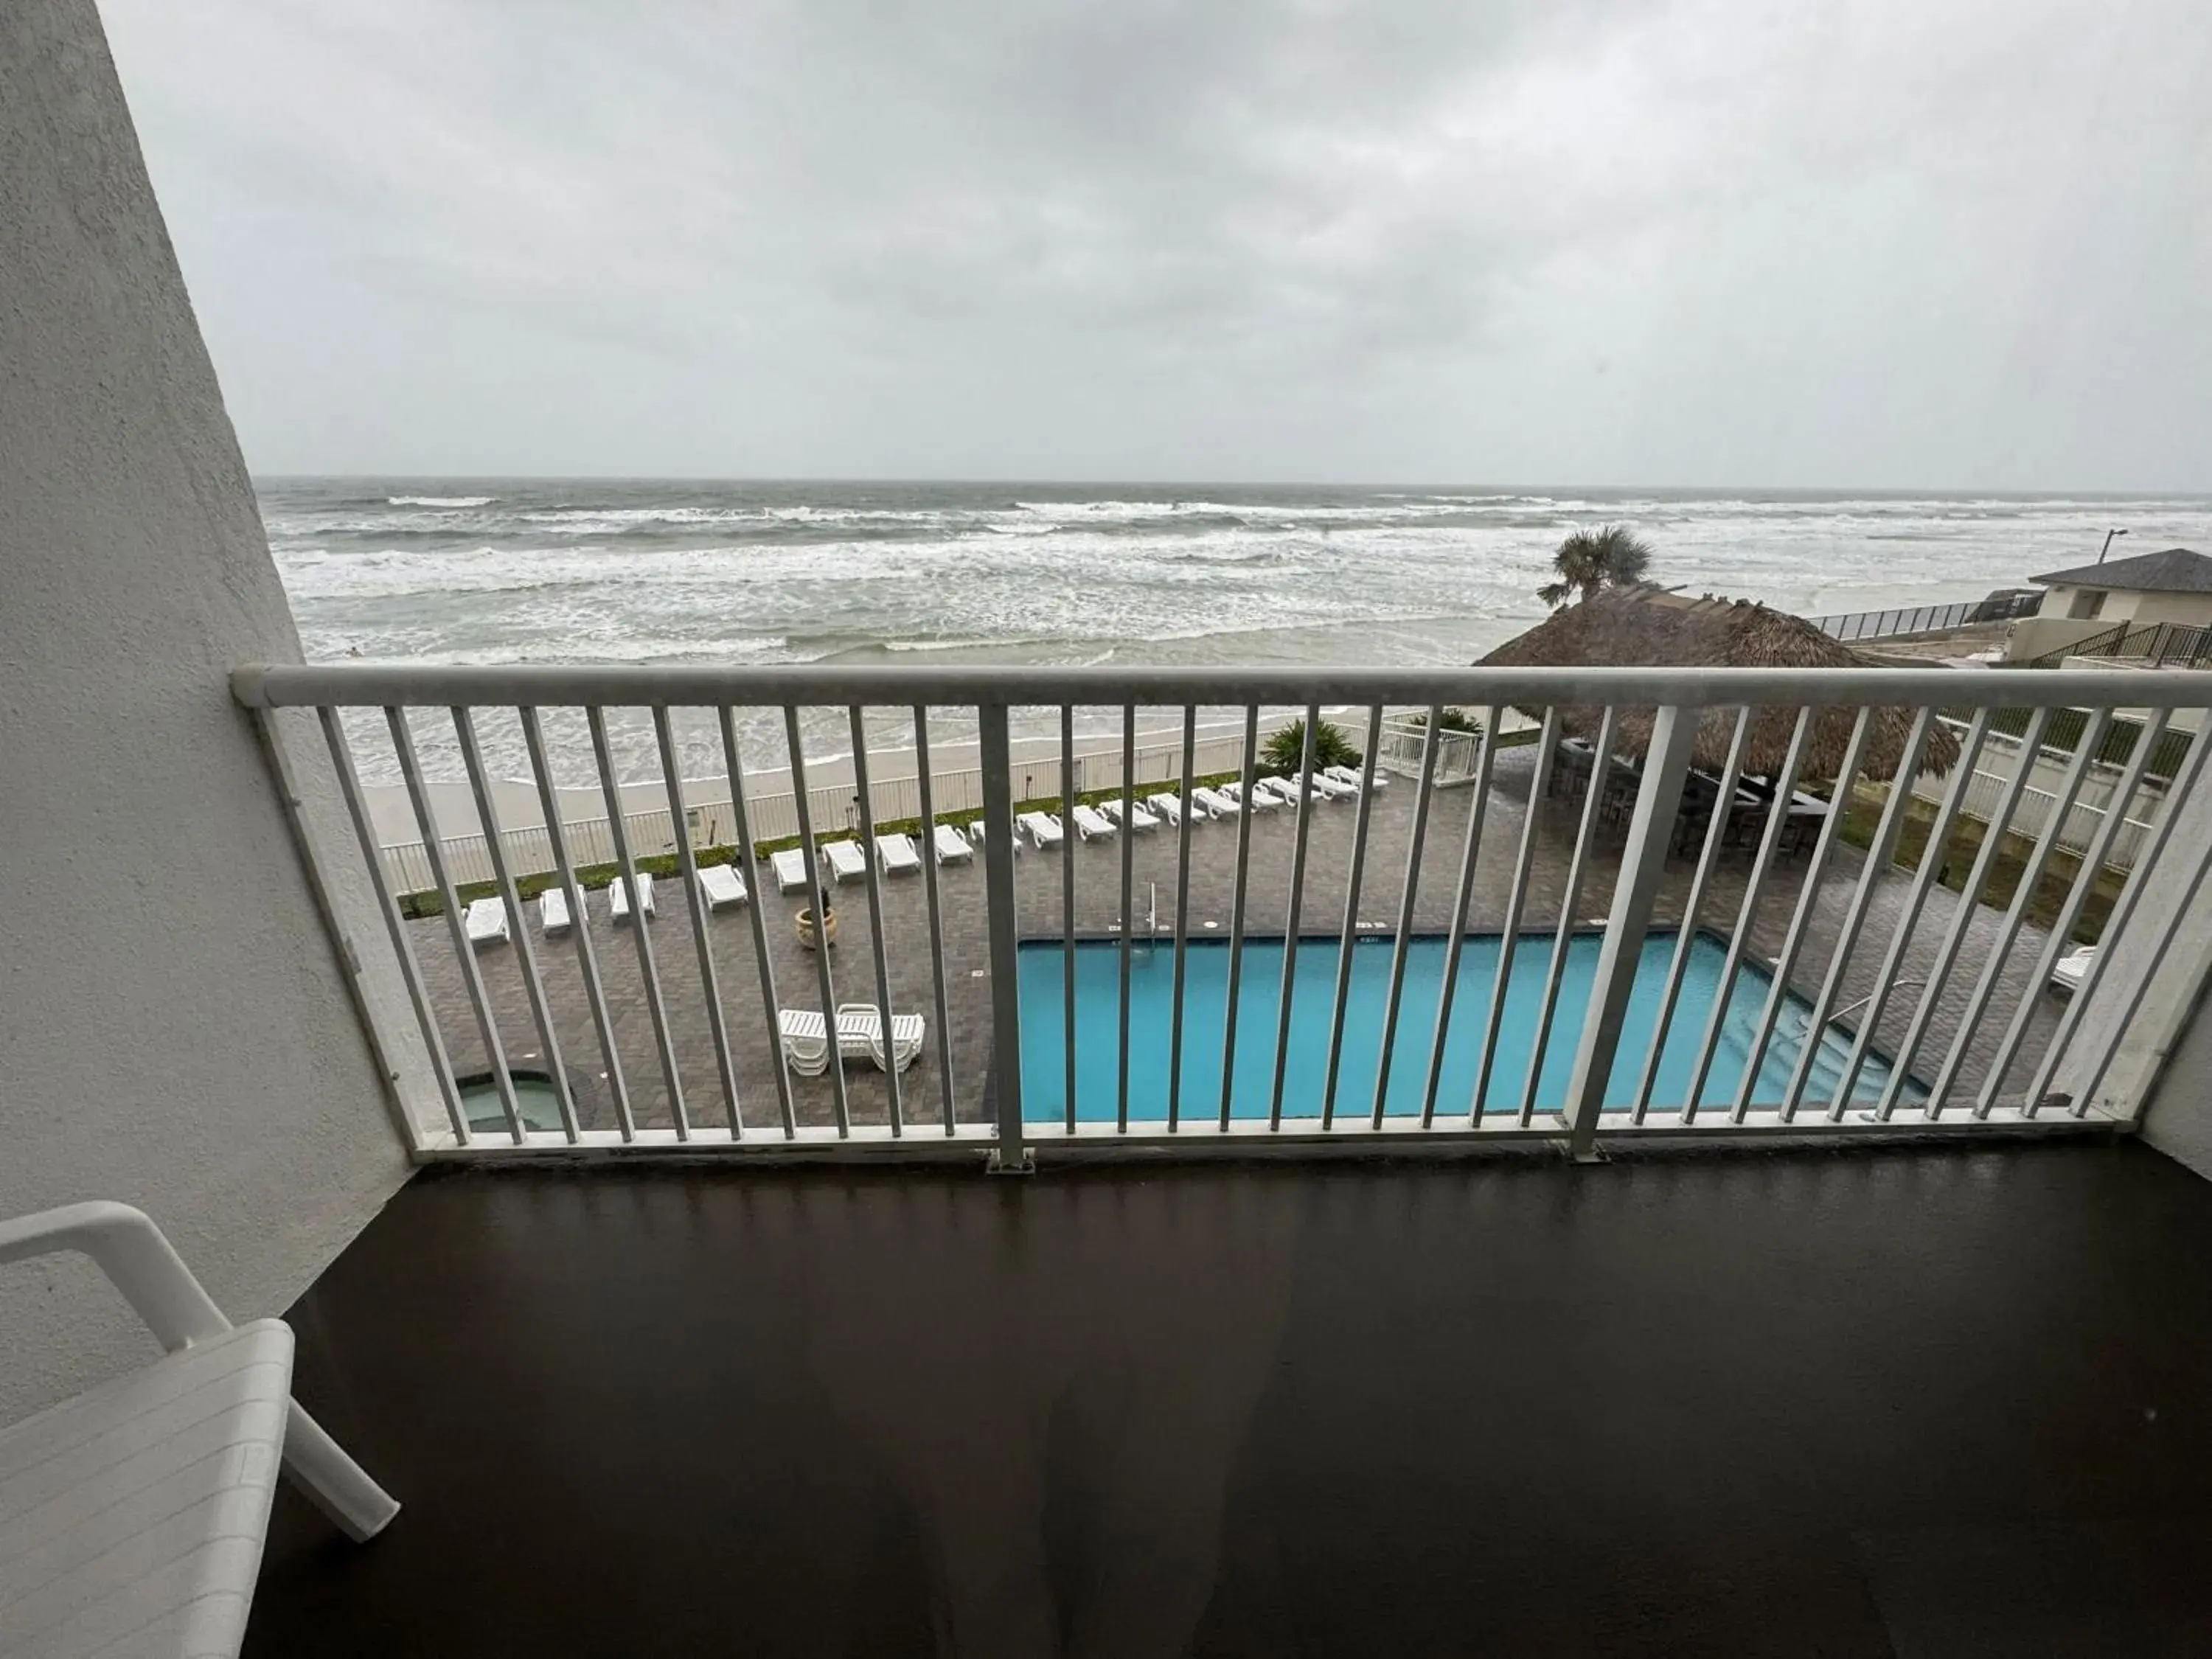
x,y
1944,1401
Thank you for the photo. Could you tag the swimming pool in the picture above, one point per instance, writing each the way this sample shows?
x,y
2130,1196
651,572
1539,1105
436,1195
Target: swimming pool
x,y
1313,999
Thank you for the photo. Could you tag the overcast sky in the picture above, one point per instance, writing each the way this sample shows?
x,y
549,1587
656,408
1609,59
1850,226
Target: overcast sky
x,y
1912,243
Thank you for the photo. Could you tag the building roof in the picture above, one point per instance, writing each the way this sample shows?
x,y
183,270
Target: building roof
x,y
1647,627
2177,570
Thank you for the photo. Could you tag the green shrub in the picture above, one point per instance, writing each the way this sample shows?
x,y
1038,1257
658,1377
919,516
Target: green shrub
x,y
1284,753
1448,719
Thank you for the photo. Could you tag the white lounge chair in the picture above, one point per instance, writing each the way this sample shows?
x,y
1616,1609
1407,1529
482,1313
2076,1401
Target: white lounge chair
x,y
861,1035
486,922
1167,805
805,1040
976,835
845,859
723,887
1335,788
1092,824
1042,828
952,846
2070,970
1213,804
1282,790
1347,775
1137,818
618,897
790,868
132,1517
895,853
553,910
1263,801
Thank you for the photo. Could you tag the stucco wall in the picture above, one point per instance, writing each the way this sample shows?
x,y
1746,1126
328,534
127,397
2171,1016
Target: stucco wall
x,y
2053,630
2184,610
174,1030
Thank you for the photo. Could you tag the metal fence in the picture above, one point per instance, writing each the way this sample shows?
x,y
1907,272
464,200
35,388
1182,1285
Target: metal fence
x,y
2080,822
2155,645
1928,618
1672,943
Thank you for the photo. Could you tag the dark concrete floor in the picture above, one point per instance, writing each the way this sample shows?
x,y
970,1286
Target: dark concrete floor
x,y
1097,874
1940,1402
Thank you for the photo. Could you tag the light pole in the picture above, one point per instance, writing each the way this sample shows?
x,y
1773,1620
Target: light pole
x,y
2107,547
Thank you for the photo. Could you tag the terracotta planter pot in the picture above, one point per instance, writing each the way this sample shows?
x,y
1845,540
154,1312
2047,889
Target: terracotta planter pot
x,y
803,922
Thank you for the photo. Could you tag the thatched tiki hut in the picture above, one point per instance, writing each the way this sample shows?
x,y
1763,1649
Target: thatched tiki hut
x,y
1647,627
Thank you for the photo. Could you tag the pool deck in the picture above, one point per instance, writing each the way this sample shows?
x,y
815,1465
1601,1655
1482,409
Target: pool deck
x,y
1097,904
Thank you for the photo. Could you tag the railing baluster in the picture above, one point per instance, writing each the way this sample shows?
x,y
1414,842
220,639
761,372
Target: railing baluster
x,y
1931,864
2093,859
1685,928
871,865
276,753
925,787
1808,896
587,961
1302,813
2116,926
817,898
1350,939
1416,842
687,871
1547,739
626,873
1069,837
994,752
1778,819
1620,958
1600,779
495,845
403,744
395,926
2173,915
1127,912
1879,852
1994,830
1468,857
755,922
1235,919
1182,915
2031,877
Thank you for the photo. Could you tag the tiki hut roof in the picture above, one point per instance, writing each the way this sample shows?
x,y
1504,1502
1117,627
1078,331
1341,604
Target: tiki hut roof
x,y
1648,627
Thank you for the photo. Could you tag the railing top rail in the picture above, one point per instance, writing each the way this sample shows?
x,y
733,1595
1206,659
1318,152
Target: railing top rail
x,y
444,685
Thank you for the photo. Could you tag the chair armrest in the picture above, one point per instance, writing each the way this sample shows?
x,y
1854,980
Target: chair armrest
x,y
126,1246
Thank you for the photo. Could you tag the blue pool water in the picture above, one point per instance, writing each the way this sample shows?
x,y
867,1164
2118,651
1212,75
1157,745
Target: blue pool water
x,y
1151,990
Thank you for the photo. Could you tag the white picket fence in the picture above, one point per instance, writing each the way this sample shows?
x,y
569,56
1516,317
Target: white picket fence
x,y
2001,757
835,810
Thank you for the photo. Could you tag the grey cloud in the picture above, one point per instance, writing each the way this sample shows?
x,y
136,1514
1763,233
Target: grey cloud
x,y
1906,241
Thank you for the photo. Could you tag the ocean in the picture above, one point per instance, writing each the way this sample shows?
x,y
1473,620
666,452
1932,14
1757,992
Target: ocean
x,y
505,570
592,570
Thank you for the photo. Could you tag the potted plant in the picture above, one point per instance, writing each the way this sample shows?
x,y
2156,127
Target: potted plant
x,y
805,923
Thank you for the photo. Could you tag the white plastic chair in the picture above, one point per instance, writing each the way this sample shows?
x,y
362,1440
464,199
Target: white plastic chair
x,y
132,1517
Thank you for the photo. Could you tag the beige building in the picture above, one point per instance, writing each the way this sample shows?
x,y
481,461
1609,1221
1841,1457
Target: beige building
x,y
2174,587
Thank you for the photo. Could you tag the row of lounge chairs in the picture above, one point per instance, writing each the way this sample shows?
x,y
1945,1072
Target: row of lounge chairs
x,y
1165,806
722,887
861,1035
486,919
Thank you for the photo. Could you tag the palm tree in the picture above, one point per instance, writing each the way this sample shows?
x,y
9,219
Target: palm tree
x,y
1608,556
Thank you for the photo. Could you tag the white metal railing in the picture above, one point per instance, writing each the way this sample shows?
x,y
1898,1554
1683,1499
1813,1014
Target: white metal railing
x,y
1652,926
